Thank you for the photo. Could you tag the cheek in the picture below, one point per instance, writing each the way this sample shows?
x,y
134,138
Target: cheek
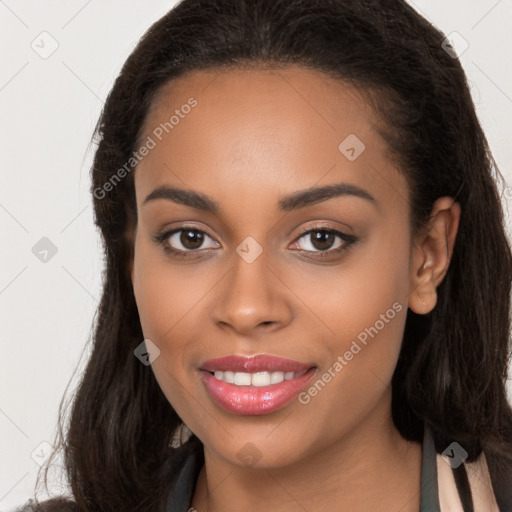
x,y
171,301
165,300
166,294
360,292
365,307
375,302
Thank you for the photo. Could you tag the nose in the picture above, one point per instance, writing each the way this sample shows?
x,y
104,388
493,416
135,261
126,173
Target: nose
x,y
251,299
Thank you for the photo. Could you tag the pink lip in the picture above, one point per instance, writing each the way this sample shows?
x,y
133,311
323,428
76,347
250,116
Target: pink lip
x,y
253,400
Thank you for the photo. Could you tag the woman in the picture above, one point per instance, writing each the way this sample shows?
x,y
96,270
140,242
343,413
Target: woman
x,y
306,299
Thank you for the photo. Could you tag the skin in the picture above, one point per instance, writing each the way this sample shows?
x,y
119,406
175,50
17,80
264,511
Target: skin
x,y
254,137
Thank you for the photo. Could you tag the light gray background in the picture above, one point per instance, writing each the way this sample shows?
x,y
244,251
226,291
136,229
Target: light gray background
x,y
48,110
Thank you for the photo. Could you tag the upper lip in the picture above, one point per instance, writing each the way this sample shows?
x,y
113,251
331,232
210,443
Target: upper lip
x,y
256,363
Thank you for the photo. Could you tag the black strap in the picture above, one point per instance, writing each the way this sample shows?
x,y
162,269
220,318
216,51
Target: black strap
x,y
429,496
461,480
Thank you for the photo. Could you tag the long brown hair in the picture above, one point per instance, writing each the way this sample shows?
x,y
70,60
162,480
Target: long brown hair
x,y
453,364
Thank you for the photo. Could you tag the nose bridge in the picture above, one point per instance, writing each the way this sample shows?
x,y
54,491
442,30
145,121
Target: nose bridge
x,y
250,295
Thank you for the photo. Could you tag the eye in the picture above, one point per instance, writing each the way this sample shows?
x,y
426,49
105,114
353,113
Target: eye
x,y
189,241
325,241
184,239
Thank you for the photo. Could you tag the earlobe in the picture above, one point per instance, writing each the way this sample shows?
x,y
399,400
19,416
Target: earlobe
x,y
423,297
431,255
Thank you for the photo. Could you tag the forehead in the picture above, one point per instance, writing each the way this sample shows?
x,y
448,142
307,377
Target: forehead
x,y
263,131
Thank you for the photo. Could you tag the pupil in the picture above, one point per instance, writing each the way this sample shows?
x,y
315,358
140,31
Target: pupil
x,y
322,239
191,239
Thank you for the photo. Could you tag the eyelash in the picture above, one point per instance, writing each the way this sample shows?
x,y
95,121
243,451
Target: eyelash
x,y
348,240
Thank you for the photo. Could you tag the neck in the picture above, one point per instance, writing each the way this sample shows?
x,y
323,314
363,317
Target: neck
x,y
371,468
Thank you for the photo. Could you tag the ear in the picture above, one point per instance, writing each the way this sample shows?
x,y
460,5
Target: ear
x,y
431,254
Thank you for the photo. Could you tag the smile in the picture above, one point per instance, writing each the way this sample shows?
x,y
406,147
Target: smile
x,y
253,385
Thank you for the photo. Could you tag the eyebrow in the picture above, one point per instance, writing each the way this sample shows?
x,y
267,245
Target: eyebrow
x,y
295,201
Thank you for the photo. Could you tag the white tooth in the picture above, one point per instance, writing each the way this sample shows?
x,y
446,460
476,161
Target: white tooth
x,y
260,379
242,379
219,375
276,377
288,375
229,377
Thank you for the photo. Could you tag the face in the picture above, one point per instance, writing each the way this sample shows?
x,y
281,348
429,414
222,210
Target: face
x,y
314,284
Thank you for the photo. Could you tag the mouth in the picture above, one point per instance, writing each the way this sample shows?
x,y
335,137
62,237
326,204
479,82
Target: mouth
x,y
254,385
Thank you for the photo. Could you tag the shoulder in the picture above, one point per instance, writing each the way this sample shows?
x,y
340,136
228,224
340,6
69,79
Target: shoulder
x,y
52,505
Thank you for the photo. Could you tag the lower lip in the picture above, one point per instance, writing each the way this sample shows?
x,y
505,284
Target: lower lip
x,y
254,400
